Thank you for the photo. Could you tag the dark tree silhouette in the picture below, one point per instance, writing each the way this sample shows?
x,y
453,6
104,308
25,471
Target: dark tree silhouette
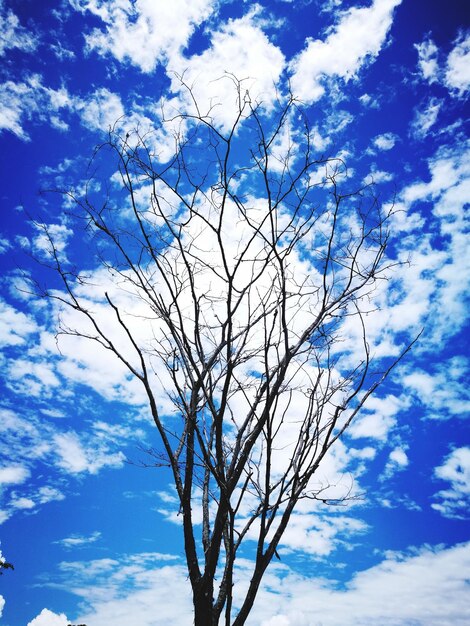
x,y
240,277
5,565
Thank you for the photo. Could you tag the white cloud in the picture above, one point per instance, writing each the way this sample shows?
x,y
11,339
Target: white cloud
x,y
457,74
13,34
391,500
240,48
22,503
277,620
32,439
386,141
442,389
37,369
39,496
101,110
21,437
425,119
317,534
32,378
430,583
145,32
355,41
75,541
377,176
377,417
456,469
74,458
62,53
44,233
367,101
397,461
428,60
13,475
5,245
48,494
398,457
98,369
436,284
15,326
30,100
102,582
2,561
16,102
455,501
49,618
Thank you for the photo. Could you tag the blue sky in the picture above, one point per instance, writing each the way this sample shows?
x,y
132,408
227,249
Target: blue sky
x,y
94,536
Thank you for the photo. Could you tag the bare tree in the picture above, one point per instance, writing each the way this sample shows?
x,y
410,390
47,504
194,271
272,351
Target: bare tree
x,y
5,565
241,275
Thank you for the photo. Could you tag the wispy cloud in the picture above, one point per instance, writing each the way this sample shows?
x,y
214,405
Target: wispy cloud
x,y
430,583
14,34
77,541
354,42
15,326
454,502
144,33
457,72
425,118
453,73
75,458
428,60
397,462
30,100
442,388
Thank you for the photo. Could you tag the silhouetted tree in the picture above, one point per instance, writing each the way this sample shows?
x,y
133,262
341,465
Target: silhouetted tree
x,y
241,273
5,565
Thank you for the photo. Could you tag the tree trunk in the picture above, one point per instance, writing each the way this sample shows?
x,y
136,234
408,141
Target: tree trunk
x,y
203,601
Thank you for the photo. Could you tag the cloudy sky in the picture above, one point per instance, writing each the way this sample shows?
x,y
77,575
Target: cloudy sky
x,y
93,535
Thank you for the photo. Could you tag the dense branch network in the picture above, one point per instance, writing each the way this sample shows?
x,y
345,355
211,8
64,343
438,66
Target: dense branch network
x,y
246,264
